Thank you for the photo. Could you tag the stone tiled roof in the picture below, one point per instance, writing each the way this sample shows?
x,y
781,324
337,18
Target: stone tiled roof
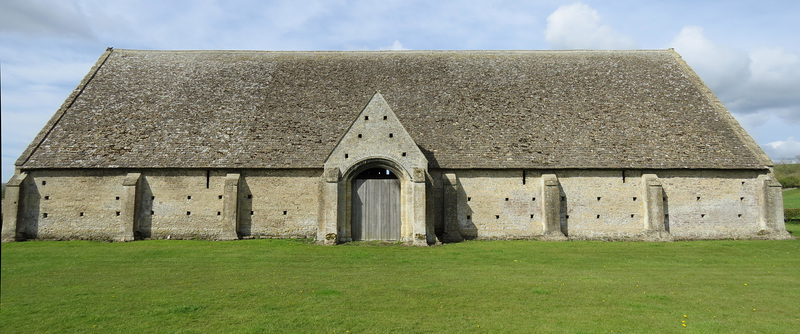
x,y
465,109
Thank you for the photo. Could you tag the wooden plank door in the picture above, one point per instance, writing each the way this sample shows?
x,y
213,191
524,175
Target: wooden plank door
x,y
376,209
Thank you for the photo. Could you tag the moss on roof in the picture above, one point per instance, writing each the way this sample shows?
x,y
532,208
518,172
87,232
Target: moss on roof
x,y
465,109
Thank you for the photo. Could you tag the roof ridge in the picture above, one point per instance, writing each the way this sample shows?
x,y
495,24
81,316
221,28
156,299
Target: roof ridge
x,y
401,51
39,139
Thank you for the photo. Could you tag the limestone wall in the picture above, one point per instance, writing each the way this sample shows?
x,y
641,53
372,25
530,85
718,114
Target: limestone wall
x,y
71,205
169,203
601,204
181,204
279,203
496,204
605,204
460,204
711,204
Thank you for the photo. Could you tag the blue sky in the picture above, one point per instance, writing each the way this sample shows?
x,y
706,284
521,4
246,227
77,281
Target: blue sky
x,y
747,52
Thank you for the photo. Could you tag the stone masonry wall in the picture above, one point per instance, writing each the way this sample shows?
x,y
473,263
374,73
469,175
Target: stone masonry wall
x,y
497,205
711,204
603,204
181,204
279,203
489,204
71,205
170,203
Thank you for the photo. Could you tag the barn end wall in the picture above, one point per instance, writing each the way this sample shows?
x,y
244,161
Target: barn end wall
x,y
460,204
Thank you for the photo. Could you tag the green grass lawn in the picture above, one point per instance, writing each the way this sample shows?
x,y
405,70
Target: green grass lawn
x,y
791,199
255,286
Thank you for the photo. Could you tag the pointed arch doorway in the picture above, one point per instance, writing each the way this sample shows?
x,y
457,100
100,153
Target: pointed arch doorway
x,y
376,205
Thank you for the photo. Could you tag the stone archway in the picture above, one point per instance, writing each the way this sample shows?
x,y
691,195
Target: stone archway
x,y
376,209
375,139
396,191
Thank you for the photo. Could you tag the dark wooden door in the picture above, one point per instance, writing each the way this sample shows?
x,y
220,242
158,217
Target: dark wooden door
x,y
376,209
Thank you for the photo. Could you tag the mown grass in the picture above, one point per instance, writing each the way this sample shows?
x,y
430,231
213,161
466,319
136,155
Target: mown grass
x,y
791,199
255,286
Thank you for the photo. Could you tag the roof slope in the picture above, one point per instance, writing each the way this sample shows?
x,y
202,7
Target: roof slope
x,y
465,109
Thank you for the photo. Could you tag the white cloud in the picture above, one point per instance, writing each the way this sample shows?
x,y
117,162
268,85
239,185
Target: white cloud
x,y
395,46
783,150
578,26
773,85
754,85
44,18
722,68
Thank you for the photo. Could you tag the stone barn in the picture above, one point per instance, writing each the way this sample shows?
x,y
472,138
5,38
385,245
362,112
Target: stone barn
x,y
411,146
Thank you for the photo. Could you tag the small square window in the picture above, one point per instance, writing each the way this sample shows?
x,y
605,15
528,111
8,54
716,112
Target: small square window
x,y
220,196
117,198
117,213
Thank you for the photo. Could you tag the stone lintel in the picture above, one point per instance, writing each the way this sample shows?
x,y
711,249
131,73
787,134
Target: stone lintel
x,y
551,209
230,207
451,189
11,206
130,202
